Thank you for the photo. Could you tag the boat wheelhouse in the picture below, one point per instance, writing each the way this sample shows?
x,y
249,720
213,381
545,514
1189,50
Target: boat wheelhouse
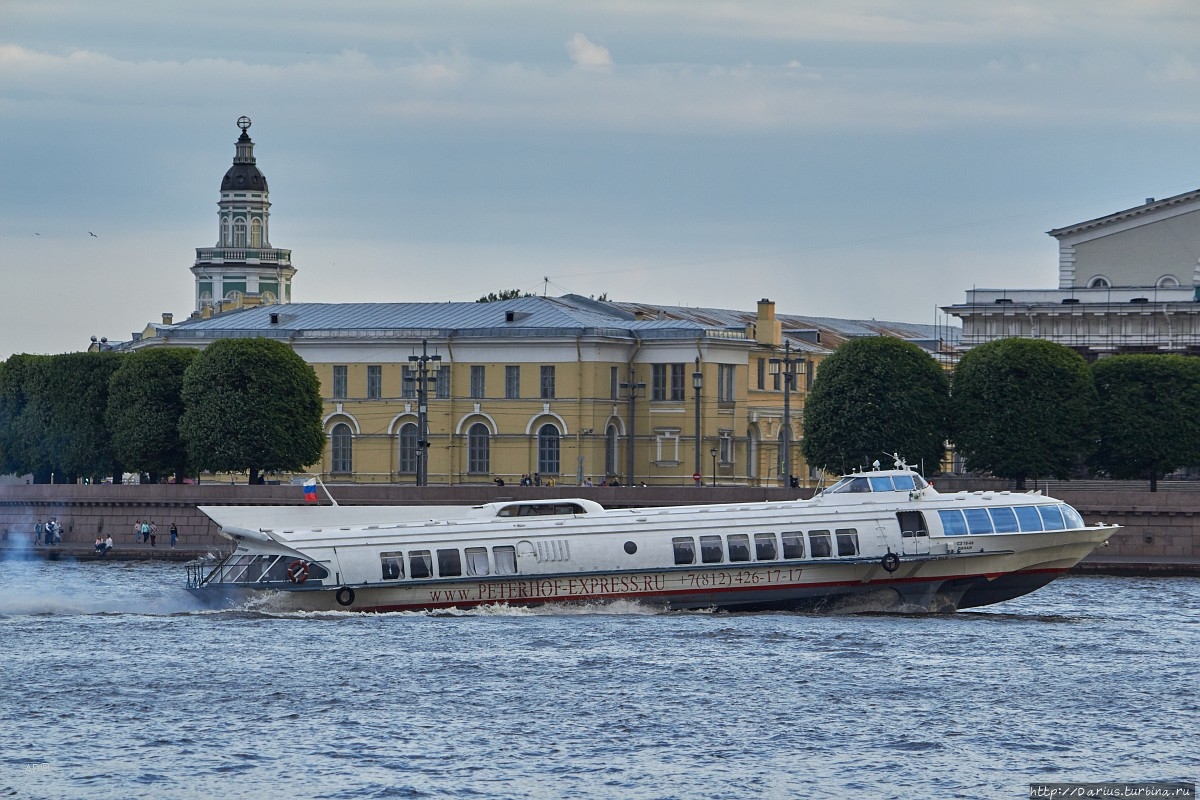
x,y
876,540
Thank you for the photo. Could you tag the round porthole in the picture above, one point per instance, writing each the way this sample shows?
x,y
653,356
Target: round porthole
x,y
630,548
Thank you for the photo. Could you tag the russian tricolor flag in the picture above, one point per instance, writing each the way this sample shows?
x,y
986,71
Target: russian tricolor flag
x,y
310,490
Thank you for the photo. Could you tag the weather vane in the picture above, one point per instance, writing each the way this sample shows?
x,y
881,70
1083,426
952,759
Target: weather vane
x,y
243,123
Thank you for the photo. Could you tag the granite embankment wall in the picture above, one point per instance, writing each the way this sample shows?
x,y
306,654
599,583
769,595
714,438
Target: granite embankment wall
x,y
1160,533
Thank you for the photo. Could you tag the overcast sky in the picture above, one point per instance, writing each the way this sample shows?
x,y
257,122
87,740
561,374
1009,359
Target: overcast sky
x,y
864,158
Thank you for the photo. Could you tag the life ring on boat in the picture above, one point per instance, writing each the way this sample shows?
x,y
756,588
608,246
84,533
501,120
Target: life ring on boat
x,y
298,571
344,596
890,562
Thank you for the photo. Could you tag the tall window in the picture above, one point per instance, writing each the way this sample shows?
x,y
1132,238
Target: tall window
x,y
339,381
677,381
374,382
443,383
548,449
658,381
610,450
726,441
239,232
342,448
547,383
255,233
512,383
478,454
725,392
477,387
762,373
614,382
408,383
408,447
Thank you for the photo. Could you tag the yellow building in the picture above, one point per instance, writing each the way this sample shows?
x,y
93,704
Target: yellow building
x,y
564,388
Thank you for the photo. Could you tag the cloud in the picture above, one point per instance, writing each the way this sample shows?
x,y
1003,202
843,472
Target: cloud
x,y
587,54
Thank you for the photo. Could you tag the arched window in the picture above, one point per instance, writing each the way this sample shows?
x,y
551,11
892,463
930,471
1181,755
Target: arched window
x,y
1098,282
255,232
408,447
342,448
610,450
548,450
239,232
478,449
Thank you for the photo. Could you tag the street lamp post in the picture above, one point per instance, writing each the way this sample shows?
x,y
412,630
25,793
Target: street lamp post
x,y
634,389
697,382
713,453
422,380
786,366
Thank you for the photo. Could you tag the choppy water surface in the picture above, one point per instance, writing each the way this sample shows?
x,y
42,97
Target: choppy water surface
x,y
114,685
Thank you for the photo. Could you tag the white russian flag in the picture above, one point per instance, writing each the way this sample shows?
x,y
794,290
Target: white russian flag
x,y
310,490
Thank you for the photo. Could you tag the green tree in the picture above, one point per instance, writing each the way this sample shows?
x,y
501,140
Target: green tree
x,y
1021,408
251,404
1147,415
504,294
76,392
145,405
872,397
24,417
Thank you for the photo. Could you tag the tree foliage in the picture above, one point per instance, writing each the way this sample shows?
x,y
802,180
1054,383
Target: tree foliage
x,y
145,406
1021,408
24,417
503,294
251,404
1147,415
52,411
874,396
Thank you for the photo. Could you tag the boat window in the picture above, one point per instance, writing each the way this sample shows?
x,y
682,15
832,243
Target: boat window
x,y
853,485
847,541
764,547
978,520
710,549
793,545
393,565
449,563
820,544
739,547
1071,517
1051,517
883,484
420,564
904,483
477,561
540,509
1028,517
1004,520
685,549
953,523
505,556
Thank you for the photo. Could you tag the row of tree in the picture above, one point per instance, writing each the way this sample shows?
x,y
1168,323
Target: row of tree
x,y
1015,408
238,405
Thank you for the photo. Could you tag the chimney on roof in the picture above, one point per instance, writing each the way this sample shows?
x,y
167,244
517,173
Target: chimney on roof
x,y
274,317
767,329
1149,200
168,318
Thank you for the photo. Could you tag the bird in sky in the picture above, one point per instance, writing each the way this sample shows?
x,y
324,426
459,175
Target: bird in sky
x,y
92,234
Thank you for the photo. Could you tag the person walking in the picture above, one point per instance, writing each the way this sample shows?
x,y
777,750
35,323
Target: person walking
x,y
153,533
174,535
37,532
137,531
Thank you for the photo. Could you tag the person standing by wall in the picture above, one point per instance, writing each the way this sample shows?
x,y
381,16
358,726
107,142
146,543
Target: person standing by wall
x,y
174,535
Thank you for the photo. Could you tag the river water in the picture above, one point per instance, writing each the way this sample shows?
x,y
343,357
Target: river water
x,y
115,685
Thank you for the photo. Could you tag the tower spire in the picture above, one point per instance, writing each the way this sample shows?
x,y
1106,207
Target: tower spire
x,y
242,269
